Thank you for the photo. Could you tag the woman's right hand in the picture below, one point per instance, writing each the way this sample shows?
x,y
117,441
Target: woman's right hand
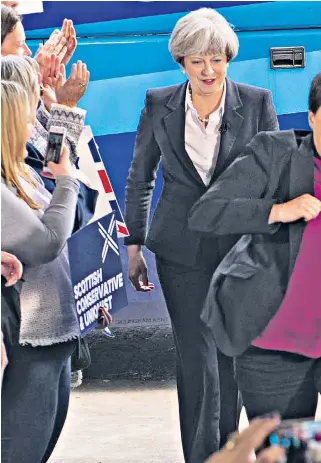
x,y
64,167
137,269
305,207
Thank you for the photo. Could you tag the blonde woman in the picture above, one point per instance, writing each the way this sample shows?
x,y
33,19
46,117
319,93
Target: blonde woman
x,y
25,71
35,227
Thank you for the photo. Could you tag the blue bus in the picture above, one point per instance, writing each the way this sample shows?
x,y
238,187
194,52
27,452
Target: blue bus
x,y
125,45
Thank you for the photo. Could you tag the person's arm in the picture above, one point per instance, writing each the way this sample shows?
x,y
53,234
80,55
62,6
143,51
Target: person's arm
x,y
87,197
59,101
39,138
139,191
37,241
268,121
59,116
234,204
141,179
43,115
73,119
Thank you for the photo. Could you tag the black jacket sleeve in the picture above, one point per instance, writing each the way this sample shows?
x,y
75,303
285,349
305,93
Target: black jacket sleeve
x,y
141,178
235,203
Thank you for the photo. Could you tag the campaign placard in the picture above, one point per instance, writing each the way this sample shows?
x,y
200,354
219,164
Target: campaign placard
x,y
96,271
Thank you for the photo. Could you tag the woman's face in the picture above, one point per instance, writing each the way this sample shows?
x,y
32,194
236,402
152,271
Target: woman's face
x,y
15,42
315,124
206,73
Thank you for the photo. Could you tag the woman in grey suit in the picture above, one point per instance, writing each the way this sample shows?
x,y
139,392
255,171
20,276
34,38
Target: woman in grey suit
x,y
196,129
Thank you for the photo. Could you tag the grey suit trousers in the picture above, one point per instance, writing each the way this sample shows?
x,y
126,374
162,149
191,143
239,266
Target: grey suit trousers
x,y
207,392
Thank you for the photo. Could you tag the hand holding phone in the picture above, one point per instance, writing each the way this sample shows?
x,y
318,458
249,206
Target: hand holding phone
x,y
64,166
56,139
300,438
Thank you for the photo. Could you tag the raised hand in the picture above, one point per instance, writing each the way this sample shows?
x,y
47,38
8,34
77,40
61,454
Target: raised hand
x,y
53,71
69,92
70,34
55,45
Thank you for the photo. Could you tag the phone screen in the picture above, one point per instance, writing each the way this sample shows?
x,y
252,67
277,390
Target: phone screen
x,y
300,439
55,142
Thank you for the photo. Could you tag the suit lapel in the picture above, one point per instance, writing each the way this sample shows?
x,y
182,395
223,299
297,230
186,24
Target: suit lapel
x,y
301,182
174,123
233,121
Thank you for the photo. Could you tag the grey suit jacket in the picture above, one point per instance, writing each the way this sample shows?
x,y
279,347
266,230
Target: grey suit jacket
x,y
160,136
248,287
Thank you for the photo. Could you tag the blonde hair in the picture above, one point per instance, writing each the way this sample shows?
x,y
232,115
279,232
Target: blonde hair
x,y
23,70
14,116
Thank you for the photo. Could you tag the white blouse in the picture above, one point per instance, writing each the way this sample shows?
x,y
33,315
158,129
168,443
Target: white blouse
x,y
202,144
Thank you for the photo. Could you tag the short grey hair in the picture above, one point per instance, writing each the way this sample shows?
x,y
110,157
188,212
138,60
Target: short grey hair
x,y
203,32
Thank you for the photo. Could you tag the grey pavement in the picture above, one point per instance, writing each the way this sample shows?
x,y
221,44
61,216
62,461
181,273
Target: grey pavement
x,y
123,421
128,421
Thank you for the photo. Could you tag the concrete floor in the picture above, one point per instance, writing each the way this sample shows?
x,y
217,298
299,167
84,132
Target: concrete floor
x,y
128,422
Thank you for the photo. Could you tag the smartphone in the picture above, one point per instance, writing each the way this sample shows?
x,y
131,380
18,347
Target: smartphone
x,y
56,139
301,440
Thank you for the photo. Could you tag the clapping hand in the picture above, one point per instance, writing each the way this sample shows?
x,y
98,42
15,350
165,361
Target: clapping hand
x,y
69,92
62,44
69,33
56,45
52,72
58,89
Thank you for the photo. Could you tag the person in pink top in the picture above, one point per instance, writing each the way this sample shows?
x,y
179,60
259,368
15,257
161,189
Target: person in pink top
x,y
264,302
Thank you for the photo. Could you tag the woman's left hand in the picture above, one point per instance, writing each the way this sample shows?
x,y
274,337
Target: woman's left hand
x,y
245,443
